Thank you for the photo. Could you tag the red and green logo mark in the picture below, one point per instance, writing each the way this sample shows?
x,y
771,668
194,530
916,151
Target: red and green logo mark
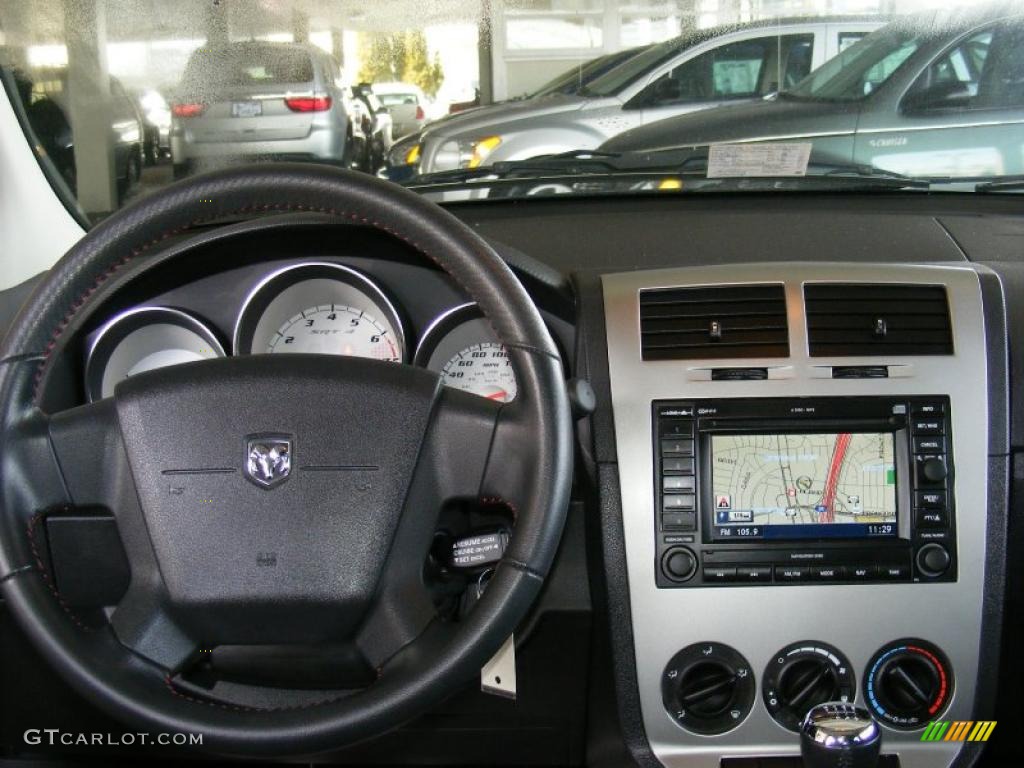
x,y
958,730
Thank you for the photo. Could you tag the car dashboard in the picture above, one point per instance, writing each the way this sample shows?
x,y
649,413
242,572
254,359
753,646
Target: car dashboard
x,y
794,485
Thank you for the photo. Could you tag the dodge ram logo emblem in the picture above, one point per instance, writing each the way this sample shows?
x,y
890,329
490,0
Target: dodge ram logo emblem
x,y
268,459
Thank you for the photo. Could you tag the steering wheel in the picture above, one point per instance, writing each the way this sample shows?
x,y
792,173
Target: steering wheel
x,y
347,544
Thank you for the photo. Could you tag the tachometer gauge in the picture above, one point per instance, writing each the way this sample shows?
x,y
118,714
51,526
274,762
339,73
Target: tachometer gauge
x,y
462,347
144,339
323,308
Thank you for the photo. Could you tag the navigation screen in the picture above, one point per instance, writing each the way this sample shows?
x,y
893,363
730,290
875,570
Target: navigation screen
x,y
790,486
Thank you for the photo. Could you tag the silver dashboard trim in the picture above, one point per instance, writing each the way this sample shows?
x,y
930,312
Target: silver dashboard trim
x,y
758,621
432,328
187,320
373,291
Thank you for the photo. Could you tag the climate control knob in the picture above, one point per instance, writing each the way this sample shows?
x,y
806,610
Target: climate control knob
x,y
708,688
908,683
803,675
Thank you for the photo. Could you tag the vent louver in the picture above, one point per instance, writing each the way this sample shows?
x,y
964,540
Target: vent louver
x,y
727,321
865,319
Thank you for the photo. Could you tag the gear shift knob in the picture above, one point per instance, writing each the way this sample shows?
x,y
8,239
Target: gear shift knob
x,y
840,735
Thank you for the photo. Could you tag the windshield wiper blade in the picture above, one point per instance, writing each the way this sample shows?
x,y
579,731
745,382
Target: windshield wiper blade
x,y
1003,184
596,164
578,161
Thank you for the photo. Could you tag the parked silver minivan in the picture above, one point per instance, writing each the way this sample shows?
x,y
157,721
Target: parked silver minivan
x,y
699,70
254,100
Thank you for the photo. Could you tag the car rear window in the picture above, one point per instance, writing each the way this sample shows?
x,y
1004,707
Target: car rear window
x,y
396,99
245,65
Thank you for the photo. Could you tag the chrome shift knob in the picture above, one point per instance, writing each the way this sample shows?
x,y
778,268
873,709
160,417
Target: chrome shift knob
x,y
840,735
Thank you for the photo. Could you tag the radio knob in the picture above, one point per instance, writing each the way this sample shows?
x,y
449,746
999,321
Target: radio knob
x,y
933,470
679,564
932,559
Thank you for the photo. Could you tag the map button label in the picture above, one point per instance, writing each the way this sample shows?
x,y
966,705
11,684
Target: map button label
x,y
860,572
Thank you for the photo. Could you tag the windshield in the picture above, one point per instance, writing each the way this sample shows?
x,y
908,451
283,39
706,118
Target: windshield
x,y
861,69
632,70
118,98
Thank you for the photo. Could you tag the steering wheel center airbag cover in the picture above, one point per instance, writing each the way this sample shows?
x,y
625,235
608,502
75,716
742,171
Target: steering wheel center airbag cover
x,y
298,561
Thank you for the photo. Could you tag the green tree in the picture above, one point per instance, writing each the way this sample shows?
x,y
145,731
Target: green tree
x,y
418,68
436,76
399,56
377,57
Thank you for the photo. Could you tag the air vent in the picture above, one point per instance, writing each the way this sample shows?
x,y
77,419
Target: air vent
x,y
854,319
726,321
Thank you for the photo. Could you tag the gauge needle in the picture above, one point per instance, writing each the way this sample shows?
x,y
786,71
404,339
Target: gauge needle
x,y
501,394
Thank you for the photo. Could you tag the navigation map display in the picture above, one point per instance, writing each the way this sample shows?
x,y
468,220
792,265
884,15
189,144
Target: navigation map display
x,y
803,485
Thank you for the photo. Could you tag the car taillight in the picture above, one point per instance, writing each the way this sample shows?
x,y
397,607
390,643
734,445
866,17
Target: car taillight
x,y
308,103
420,114
187,110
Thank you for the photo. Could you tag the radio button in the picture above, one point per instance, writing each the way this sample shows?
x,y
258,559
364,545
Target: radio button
x,y
930,499
791,572
894,572
927,409
678,501
676,428
677,466
828,573
719,574
671,484
752,573
860,572
677,447
932,518
678,521
927,426
930,470
931,445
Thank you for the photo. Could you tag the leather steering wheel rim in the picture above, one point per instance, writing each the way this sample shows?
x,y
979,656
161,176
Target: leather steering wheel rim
x,y
121,683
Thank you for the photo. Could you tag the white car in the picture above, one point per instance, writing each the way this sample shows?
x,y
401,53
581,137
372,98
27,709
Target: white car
x,y
407,104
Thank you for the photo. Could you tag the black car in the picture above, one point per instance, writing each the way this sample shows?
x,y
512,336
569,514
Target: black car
x,y
925,96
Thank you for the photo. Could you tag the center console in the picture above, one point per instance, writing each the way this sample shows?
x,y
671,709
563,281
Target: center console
x,y
804,477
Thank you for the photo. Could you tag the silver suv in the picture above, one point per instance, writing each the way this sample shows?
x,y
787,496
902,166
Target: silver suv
x,y
247,101
703,69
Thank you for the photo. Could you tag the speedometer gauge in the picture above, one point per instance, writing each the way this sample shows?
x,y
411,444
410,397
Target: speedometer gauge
x,y
462,347
321,308
483,369
142,340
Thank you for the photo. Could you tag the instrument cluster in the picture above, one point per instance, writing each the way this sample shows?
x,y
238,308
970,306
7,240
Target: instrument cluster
x,y
309,307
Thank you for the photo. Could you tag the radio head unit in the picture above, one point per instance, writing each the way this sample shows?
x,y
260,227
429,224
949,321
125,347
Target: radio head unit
x,y
803,490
